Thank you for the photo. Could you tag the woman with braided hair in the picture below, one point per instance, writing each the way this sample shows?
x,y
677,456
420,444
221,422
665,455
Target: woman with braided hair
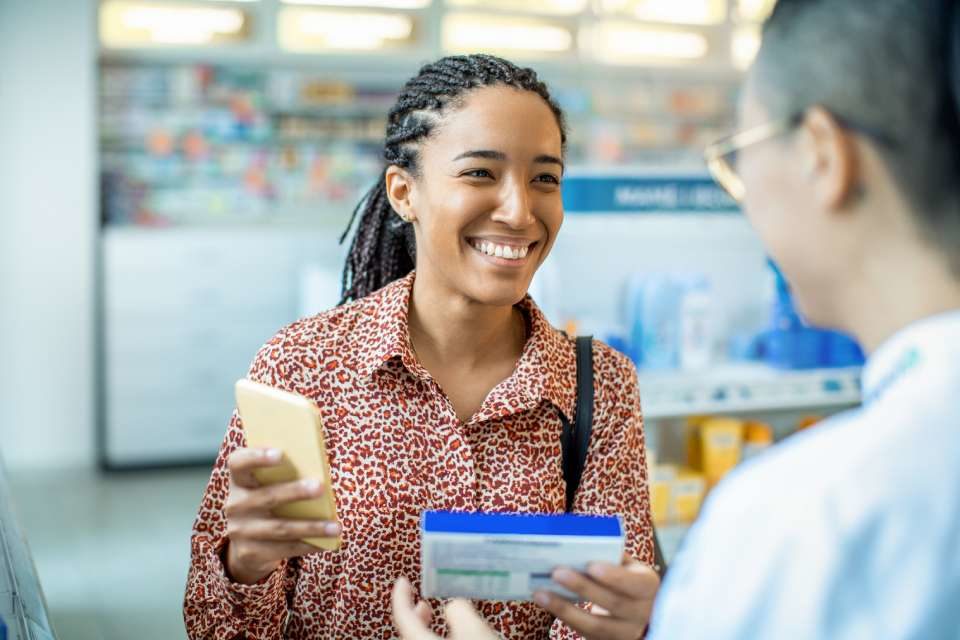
x,y
440,384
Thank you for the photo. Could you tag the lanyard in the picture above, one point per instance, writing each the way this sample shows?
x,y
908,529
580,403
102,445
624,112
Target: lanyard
x,y
908,362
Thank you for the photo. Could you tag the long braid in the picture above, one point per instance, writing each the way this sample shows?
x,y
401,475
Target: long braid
x,y
384,247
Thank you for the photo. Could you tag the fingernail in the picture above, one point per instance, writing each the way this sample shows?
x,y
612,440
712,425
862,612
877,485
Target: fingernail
x,y
596,570
333,529
563,576
311,484
273,455
541,598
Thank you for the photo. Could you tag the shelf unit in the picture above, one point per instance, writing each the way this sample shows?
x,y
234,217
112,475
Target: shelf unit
x,y
746,388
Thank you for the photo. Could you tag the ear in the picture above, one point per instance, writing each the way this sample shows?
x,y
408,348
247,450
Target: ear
x,y
829,158
400,191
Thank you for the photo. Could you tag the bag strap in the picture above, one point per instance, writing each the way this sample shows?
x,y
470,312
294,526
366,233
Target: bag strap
x,y
575,439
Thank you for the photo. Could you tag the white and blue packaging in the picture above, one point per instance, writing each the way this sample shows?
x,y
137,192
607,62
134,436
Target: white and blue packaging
x,y
497,556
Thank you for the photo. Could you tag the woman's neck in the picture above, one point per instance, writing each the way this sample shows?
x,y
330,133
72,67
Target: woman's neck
x,y
449,329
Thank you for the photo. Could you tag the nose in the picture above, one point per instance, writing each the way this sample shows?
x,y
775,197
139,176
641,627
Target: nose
x,y
515,208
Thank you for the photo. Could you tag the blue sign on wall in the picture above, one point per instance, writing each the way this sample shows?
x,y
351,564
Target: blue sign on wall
x,y
645,194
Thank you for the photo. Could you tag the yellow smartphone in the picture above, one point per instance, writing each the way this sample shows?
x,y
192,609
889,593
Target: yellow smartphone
x,y
277,419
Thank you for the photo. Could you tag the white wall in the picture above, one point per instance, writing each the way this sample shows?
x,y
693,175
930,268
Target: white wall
x,y
47,231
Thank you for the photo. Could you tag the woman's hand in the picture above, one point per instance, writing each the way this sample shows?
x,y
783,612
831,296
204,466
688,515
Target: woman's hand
x,y
258,540
622,598
413,622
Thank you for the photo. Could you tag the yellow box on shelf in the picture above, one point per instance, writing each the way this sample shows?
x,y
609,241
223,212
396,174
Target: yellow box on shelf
x,y
687,493
661,485
714,446
675,494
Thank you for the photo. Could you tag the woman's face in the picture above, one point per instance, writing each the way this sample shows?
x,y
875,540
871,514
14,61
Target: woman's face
x,y
487,200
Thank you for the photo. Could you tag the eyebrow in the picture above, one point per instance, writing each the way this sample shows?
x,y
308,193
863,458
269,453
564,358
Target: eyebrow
x,y
489,154
485,154
549,160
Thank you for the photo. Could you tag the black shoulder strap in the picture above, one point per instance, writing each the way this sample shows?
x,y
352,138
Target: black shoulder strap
x,y
576,438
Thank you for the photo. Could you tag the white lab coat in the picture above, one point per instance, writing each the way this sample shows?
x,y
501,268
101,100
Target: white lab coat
x,y
849,530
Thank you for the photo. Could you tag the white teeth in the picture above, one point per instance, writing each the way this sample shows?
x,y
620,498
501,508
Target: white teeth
x,y
501,251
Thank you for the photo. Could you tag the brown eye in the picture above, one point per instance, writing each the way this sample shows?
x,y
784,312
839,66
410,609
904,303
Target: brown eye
x,y
478,173
548,178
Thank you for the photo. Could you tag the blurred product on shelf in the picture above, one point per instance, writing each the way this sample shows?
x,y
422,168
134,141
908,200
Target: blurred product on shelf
x,y
696,328
714,446
757,438
214,144
661,483
676,494
669,324
686,496
669,320
226,144
808,421
789,343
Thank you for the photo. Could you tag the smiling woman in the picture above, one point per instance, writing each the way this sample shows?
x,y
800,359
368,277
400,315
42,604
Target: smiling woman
x,y
440,384
467,167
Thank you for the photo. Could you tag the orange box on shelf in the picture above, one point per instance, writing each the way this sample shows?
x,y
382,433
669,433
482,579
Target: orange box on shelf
x,y
757,438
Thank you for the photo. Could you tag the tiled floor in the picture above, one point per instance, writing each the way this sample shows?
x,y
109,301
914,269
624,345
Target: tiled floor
x,y
111,550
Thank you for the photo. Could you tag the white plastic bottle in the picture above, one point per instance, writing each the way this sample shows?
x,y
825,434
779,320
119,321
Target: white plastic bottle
x,y
696,324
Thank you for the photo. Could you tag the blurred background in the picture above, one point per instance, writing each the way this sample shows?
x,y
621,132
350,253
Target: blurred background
x,y
174,178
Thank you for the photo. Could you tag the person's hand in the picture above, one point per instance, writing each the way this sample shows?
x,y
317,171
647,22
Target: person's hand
x,y
413,622
258,540
622,598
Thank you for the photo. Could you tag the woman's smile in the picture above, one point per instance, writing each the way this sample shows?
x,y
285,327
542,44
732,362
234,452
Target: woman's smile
x,y
502,252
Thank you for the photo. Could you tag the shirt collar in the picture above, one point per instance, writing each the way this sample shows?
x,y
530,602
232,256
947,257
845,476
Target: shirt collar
x,y
908,349
546,369
388,310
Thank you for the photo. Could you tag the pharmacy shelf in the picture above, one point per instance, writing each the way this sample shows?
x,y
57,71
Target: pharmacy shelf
x,y
746,388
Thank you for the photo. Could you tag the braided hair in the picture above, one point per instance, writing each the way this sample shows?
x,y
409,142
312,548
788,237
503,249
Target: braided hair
x,y
384,247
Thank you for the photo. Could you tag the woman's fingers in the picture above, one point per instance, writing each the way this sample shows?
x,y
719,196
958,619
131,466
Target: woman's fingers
x,y
589,590
632,579
408,622
424,612
625,592
268,498
281,529
243,462
591,626
465,623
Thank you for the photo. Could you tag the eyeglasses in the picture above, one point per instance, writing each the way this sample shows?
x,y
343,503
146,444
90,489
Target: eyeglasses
x,y
721,156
